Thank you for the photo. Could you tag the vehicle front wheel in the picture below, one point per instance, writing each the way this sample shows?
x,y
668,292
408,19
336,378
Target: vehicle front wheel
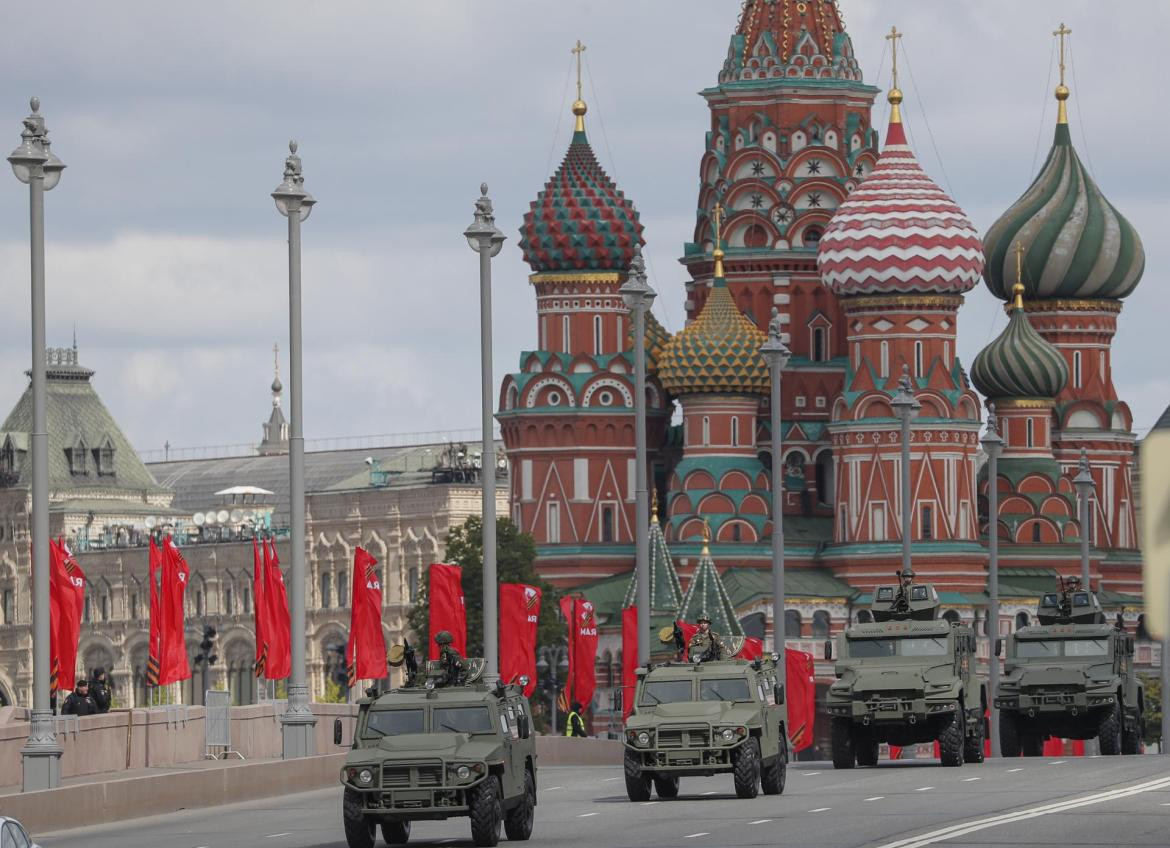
x,y
637,781
973,745
1032,744
1131,737
867,747
950,741
486,811
396,833
359,829
1109,730
1009,733
772,777
746,761
519,820
666,785
842,738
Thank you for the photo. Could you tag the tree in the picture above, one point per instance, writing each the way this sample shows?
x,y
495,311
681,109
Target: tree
x,y
515,555
1153,715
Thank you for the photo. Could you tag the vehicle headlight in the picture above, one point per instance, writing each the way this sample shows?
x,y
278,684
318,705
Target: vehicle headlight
x,y
643,738
463,772
365,777
728,734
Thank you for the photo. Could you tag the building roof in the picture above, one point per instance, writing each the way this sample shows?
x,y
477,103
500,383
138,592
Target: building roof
x,y
707,597
666,593
1019,363
790,43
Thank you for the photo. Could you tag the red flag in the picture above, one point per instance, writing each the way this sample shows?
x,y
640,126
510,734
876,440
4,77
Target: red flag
x,y
259,609
519,618
1078,747
448,612
800,697
173,639
583,661
752,649
154,650
365,654
1054,747
66,602
54,621
277,627
629,659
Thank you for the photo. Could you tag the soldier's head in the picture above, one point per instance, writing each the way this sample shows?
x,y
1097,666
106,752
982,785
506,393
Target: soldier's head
x,y
443,638
81,686
704,624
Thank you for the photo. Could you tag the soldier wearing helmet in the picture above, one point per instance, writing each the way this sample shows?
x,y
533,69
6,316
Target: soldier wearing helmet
x,y
706,645
450,659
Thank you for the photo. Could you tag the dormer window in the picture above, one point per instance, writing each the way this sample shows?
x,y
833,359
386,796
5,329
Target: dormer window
x,y
78,458
103,458
7,457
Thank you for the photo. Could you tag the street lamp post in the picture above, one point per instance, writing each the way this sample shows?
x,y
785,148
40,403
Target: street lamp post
x,y
906,407
35,165
486,240
298,721
777,354
639,297
992,445
1084,483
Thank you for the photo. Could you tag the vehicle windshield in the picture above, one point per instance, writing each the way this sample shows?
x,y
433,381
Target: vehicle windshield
x,y
666,692
1042,648
394,722
461,720
725,689
918,646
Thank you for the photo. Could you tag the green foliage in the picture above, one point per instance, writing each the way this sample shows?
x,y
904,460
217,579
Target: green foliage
x,y
1153,714
515,555
334,694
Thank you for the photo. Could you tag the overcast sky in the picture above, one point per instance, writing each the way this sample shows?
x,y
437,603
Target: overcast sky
x,y
166,252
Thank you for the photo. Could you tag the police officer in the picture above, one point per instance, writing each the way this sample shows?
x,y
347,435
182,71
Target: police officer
x,y
450,658
705,645
79,702
574,724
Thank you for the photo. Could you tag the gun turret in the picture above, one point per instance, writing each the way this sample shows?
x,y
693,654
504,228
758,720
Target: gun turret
x,y
905,601
1070,604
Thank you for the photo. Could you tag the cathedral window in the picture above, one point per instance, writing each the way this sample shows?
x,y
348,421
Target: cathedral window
x,y
843,523
1022,620
7,458
326,590
105,607
9,609
1101,365
812,236
198,604
565,334
857,354
77,458
553,522
1076,369
706,430
947,354
885,361
229,605
1030,428
247,601
918,359
735,432
820,624
926,521
1036,532
342,600
103,459
818,344
598,340
607,523
412,584
877,515
792,624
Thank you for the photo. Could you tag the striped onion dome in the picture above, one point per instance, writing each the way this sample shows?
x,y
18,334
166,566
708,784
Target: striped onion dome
x,y
718,352
1077,245
1020,363
899,233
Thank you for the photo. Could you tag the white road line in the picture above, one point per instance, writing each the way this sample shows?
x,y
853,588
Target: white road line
x,y
765,821
610,779
274,835
649,803
696,835
1057,762
821,810
1013,771
924,788
586,815
971,779
809,773
1164,805
712,792
875,798
551,788
964,828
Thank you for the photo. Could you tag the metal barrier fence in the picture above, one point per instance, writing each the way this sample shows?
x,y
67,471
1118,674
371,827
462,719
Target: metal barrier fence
x,y
217,725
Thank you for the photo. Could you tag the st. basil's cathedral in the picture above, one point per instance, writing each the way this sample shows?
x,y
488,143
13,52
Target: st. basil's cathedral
x,y
804,209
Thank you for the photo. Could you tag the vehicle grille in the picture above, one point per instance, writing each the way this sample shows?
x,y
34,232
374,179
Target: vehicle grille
x,y
408,775
684,737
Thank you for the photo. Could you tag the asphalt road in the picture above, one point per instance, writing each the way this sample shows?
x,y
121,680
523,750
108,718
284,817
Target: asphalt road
x,y
1104,801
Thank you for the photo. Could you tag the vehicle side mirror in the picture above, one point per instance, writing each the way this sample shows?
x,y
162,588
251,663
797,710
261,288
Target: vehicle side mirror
x,y
779,693
522,726
828,649
336,731
999,647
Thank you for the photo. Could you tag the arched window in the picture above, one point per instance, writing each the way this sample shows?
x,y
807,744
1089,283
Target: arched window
x,y
918,359
818,339
825,481
412,584
820,624
565,334
1036,532
735,432
706,430
951,617
885,362
1022,620
857,354
1030,429
598,341
326,590
1076,369
792,624
607,523
946,355
342,599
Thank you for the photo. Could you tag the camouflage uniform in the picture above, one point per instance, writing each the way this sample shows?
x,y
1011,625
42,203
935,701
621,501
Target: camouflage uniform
x,y
450,658
707,646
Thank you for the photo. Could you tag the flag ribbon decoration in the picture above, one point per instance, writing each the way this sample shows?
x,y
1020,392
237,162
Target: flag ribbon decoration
x,y
154,653
277,622
581,620
173,665
519,620
365,654
259,609
448,610
66,603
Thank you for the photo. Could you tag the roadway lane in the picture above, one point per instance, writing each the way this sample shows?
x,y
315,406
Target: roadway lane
x,y
899,805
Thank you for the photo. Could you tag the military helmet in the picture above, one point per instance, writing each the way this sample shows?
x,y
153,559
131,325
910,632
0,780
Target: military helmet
x,y
702,618
443,637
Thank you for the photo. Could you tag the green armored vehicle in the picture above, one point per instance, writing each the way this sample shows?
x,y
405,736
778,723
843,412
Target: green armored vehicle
x,y
447,745
705,718
905,679
1071,676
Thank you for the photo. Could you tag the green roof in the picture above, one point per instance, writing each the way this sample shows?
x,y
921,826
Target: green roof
x,y
707,597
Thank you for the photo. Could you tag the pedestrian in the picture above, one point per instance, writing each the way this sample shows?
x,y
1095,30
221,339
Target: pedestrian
x,y
79,702
99,690
574,724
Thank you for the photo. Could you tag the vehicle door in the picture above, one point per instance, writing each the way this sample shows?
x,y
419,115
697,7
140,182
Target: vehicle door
x,y
513,782
769,714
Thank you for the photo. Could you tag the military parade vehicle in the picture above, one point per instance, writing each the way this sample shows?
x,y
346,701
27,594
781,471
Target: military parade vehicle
x,y
705,717
904,679
1070,676
444,745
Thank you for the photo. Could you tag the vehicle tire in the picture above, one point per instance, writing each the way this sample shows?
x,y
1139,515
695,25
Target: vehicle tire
x,y
842,740
973,745
637,781
396,833
519,820
866,746
773,777
666,786
1109,730
1009,734
746,762
359,830
486,811
1032,744
1131,740
950,741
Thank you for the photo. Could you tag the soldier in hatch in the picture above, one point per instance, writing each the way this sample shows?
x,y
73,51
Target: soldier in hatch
x,y
705,644
450,659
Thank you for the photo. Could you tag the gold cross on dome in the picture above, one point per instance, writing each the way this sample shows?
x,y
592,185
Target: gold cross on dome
x,y
1062,33
717,218
893,39
1018,288
577,51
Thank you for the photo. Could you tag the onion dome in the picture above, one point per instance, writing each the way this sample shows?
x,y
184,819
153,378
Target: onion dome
x,y
655,339
1079,246
1020,363
717,352
580,221
790,41
898,232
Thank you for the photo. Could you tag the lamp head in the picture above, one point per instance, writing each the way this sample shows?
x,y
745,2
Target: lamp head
x,y
290,196
33,158
903,402
482,234
992,441
1084,479
635,291
774,349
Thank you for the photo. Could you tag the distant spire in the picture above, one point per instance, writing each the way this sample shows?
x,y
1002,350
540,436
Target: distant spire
x,y
717,218
895,95
579,107
1018,288
277,386
1062,92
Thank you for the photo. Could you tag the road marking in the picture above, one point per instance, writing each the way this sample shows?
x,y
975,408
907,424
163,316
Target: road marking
x,y
1013,771
586,815
961,829
274,835
971,779
1057,762
649,803
696,835
809,773
875,798
1167,804
609,779
924,788
712,792
551,788
821,810
765,821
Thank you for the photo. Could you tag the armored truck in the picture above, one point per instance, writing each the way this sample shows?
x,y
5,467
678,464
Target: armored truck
x,y
905,678
445,746
1070,676
704,718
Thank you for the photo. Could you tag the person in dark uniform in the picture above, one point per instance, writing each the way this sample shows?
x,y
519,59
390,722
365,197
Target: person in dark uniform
x,y
574,724
706,645
99,690
79,702
450,658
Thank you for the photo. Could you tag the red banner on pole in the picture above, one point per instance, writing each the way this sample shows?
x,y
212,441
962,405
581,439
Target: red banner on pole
x,y
629,659
568,605
277,626
154,649
583,660
66,603
800,696
258,611
448,612
519,619
365,655
173,638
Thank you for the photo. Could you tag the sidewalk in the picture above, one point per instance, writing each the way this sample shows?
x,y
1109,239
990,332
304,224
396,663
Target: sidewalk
x,y
125,774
